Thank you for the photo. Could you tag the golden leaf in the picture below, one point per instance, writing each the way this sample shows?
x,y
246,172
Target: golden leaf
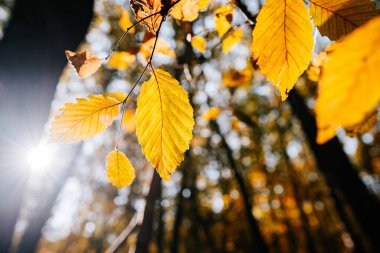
x,y
235,78
211,114
84,63
162,47
203,4
120,171
145,8
84,119
125,21
336,18
364,126
119,96
188,10
199,43
121,60
349,87
223,18
283,42
231,40
315,70
165,122
129,121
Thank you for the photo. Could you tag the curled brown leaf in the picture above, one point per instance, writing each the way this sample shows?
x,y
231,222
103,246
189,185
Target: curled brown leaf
x,y
84,63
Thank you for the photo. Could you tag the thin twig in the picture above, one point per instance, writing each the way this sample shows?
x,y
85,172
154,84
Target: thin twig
x,y
126,32
123,235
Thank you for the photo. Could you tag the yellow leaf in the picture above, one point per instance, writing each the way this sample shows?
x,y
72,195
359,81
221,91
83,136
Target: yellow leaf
x,y
84,119
315,69
211,114
125,21
349,88
121,60
129,121
283,42
203,4
199,43
162,47
235,78
188,10
119,96
223,18
364,126
231,40
165,122
120,171
84,63
336,18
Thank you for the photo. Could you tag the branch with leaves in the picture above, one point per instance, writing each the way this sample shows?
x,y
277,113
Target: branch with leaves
x,y
282,46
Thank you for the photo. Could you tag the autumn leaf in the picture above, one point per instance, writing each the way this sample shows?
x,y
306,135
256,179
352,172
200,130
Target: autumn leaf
x,y
199,43
119,96
369,121
84,63
211,114
129,121
121,60
165,122
188,10
125,21
223,18
336,18
145,8
162,47
120,171
315,70
349,88
235,78
231,40
84,119
283,42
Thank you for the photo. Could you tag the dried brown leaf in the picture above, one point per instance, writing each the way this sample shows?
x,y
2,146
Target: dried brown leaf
x,y
84,63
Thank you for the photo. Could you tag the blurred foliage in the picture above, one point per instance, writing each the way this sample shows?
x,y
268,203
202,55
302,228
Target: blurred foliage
x,y
290,199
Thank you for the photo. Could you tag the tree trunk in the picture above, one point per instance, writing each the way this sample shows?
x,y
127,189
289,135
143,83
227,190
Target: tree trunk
x,y
340,175
32,59
145,231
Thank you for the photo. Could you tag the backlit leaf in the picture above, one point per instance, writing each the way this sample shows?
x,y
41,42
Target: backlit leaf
x,y
120,171
84,119
121,60
349,88
119,96
145,8
162,47
188,10
231,40
199,43
125,21
129,121
165,122
283,42
211,114
235,78
336,18
84,63
223,18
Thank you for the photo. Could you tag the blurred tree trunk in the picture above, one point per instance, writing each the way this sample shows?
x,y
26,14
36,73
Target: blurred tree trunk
x,y
145,232
340,175
32,59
